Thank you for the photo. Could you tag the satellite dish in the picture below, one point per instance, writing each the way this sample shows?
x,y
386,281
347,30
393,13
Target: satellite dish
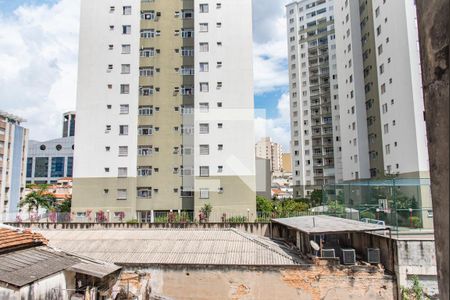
x,y
314,245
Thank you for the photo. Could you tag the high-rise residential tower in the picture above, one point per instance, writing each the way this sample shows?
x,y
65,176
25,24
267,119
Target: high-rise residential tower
x,y
267,149
165,108
314,101
13,154
380,90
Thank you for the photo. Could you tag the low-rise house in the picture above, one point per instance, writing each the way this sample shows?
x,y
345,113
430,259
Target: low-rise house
x,y
31,270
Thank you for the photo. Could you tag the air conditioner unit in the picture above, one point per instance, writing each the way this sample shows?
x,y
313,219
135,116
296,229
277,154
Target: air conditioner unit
x,y
328,253
348,256
373,255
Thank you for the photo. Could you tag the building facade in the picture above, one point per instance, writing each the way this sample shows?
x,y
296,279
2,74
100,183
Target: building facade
x,y
69,124
51,160
267,149
371,115
382,111
13,153
164,109
314,102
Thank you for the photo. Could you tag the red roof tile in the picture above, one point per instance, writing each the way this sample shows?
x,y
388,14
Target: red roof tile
x,y
14,239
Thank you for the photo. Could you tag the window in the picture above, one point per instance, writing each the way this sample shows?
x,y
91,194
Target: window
x,y
126,69
204,171
144,192
145,130
380,50
204,193
383,88
386,128
204,8
144,171
57,167
126,29
124,88
148,15
377,11
204,67
204,128
127,10
110,47
219,5
112,9
379,30
41,167
122,172
220,147
145,110
121,194
187,51
203,27
204,47
204,149
126,49
187,33
220,125
147,52
381,68
187,13
384,108
204,87
204,107
146,71
388,149
144,150
147,33
124,109
123,130
146,91
219,25
123,150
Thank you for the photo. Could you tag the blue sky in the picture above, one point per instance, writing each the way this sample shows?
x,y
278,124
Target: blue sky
x,y
39,64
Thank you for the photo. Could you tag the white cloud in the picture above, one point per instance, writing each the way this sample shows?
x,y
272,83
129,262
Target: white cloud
x,y
270,45
38,59
277,128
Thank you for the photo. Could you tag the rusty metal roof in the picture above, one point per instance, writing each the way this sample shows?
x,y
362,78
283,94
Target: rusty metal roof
x,y
172,246
322,224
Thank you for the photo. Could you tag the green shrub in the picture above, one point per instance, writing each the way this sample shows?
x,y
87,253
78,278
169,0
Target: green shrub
x,y
132,221
367,214
237,219
416,222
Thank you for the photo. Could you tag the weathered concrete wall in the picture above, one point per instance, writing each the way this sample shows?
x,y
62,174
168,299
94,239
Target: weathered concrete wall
x,y
417,258
433,24
308,283
52,287
261,229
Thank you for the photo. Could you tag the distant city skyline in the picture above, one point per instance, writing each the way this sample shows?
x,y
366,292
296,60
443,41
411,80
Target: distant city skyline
x,y
33,37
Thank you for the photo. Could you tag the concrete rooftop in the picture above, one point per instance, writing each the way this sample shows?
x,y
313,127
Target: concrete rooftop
x,y
322,224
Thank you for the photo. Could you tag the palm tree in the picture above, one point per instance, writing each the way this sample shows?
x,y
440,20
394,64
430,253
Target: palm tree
x,y
38,198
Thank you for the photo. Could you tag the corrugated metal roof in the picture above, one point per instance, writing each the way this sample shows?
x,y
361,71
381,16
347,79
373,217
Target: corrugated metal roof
x,y
22,267
327,224
172,246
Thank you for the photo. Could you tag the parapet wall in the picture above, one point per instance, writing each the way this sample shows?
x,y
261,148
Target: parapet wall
x,y
261,229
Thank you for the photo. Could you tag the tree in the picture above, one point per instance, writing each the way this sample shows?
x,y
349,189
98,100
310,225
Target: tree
x,y
316,198
205,211
263,204
65,205
39,198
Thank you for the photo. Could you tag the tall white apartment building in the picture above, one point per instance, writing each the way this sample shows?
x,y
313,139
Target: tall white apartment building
x,y
165,108
267,149
13,155
314,101
380,90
